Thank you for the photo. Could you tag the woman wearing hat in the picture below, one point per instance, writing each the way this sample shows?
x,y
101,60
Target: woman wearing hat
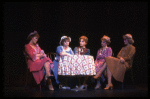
x,y
38,61
102,53
116,67
61,50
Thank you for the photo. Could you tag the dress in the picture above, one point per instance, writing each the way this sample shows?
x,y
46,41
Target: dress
x,y
117,68
36,65
58,51
100,58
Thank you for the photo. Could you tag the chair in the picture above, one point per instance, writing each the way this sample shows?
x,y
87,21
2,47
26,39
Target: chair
x,y
131,71
51,55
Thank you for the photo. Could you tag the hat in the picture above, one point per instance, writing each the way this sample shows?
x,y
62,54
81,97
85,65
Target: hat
x,y
63,37
32,33
128,36
106,38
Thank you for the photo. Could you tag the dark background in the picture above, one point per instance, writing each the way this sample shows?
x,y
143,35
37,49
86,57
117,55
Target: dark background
x,y
55,19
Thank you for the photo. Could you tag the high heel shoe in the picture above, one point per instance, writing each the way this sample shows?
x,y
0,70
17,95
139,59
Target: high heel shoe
x,y
98,86
49,83
109,86
83,87
96,76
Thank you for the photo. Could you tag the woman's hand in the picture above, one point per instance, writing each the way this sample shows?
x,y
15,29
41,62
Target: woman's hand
x,y
63,53
122,60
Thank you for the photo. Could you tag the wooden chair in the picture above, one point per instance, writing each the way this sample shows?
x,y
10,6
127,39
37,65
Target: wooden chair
x,y
51,55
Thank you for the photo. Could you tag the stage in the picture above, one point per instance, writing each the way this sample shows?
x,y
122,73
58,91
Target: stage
x,y
128,91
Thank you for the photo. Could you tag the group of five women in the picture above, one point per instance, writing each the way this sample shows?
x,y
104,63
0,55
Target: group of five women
x,y
105,64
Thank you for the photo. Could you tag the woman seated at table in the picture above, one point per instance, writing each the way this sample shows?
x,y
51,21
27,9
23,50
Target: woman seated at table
x,y
116,67
61,50
38,61
82,50
102,53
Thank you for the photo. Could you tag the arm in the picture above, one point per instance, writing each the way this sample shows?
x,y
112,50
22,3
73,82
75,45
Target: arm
x,y
60,51
31,54
109,52
130,55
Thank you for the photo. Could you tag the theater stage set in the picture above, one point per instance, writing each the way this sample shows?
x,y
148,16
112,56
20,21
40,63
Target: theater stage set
x,y
52,20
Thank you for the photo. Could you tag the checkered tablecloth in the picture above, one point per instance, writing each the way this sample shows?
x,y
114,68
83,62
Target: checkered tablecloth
x,y
76,65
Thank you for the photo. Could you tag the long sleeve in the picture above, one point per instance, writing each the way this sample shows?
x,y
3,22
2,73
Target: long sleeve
x,y
30,52
59,50
131,53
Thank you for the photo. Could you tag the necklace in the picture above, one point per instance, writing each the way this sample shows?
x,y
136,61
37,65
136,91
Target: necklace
x,y
102,50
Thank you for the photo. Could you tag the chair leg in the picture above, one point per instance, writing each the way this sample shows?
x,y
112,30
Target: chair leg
x,y
122,85
40,86
132,76
26,79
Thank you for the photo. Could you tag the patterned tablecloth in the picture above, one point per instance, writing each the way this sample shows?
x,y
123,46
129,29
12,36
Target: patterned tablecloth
x,y
76,65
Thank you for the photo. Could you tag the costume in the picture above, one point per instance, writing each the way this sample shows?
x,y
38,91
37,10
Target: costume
x,y
117,68
100,58
58,51
36,65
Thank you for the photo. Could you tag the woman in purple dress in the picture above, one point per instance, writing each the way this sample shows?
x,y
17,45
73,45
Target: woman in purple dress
x,y
102,53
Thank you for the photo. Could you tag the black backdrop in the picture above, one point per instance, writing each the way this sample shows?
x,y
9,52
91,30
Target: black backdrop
x,y
55,19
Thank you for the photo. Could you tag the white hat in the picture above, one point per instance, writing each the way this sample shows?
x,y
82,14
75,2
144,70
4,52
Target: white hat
x,y
63,37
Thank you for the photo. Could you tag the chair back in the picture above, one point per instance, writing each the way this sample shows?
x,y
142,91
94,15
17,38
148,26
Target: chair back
x,y
132,60
26,57
51,55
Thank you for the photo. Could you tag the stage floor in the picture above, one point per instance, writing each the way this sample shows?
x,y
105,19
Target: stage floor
x,y
128,91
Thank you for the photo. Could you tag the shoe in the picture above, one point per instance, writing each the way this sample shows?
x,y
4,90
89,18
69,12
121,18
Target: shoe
x,y
50,87
96,76
49,83
83,87
109,86
98,86
64,87
75,89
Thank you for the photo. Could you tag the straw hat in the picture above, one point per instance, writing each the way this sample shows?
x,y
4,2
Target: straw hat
x,y
63,37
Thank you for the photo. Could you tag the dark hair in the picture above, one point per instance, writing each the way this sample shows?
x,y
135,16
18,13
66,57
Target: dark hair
x,y
64,40
31,36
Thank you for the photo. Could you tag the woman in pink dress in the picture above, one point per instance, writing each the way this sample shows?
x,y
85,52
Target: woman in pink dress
x,y
102,53
38,61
